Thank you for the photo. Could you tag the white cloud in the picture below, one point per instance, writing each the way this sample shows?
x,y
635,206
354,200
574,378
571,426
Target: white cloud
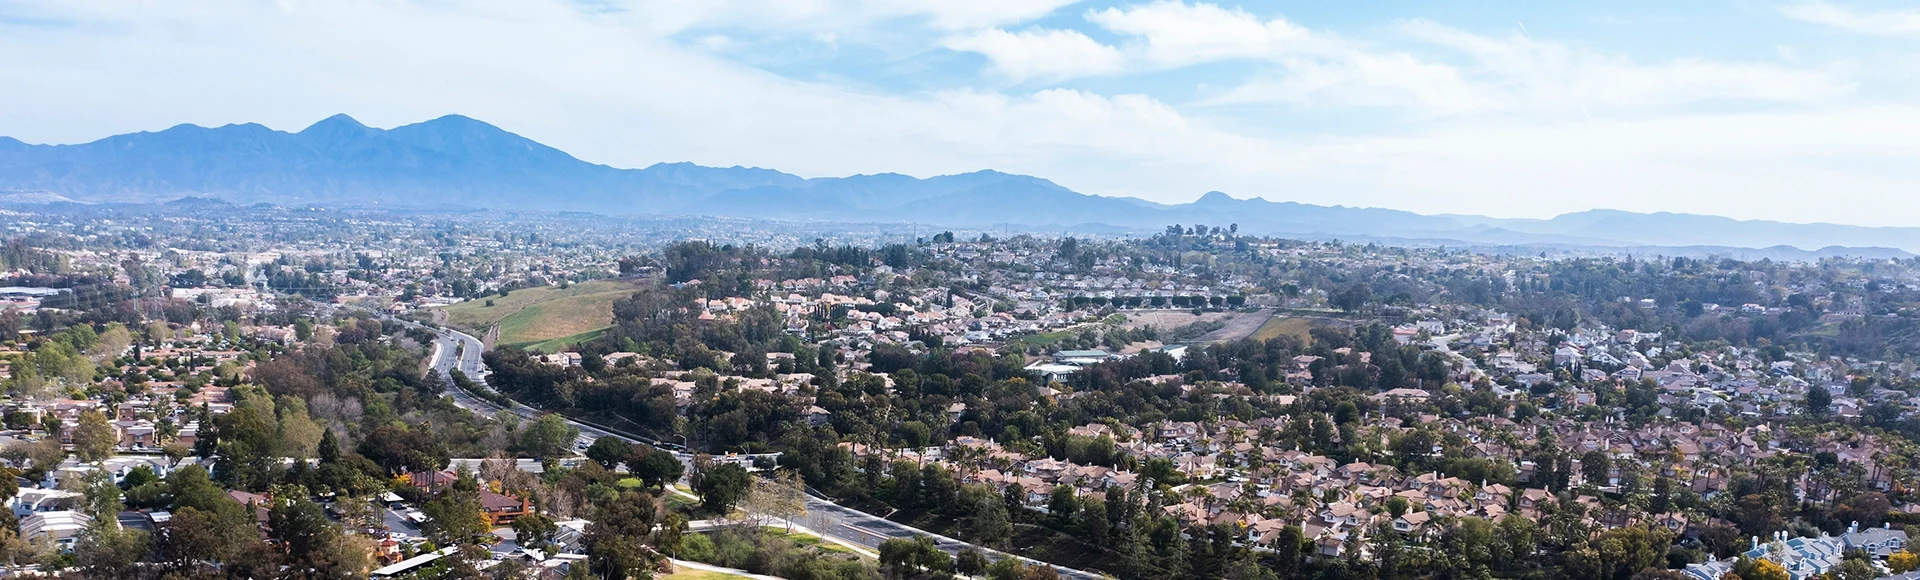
x,y
1361,79
1513,74
964,14
1177,34
847,15
1889,23
1524,74
1040,53
1315,68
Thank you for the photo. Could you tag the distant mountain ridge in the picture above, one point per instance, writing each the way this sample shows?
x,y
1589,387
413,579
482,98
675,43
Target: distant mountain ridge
x,y
456,161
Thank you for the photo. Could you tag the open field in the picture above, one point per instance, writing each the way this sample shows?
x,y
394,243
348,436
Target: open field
x,y
1239,327
558,344
1169,319
544,318
1291,325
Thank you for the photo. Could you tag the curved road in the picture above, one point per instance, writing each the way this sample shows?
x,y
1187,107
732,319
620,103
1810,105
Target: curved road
x,y
458,350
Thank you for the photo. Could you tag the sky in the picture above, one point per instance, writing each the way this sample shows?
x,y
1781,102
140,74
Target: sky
x,y
1789,110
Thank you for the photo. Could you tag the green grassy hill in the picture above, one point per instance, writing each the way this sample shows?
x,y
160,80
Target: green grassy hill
x,y
546,318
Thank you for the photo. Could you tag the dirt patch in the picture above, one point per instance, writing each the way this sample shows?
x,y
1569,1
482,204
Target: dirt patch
x,y
1297,326
1137,347
1169,319
1239,327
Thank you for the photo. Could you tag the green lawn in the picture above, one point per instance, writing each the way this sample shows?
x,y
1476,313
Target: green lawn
x,y
1285,325
691,574
545,318
557,344
809,540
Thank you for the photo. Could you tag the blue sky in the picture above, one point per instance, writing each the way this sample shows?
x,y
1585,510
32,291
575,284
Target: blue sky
x,y
1793,110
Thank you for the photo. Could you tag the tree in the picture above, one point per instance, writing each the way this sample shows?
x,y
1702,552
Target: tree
x,y
549,437
1062,503
534,531
1397,506
1515,540
159,333
782,496
93,437
1012,569
654,467
1854,569
298,436
329,449
1288,549
1617,554
1352,298
1093,520
904,558
356,512
1758,569
403,450
987,522
1818,400
106,550
609,451
1903,561
970,561
456,515
616,539
102,495
1595,466
1756,514
315,546
196,539
19,551
723,487
1868,509
111,343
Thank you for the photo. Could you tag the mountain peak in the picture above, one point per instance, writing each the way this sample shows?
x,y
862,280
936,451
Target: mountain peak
x,y
334,123
337,128
1214,198
454,120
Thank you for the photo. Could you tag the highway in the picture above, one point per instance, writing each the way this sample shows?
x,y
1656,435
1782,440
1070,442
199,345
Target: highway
x,y
455,350
458,350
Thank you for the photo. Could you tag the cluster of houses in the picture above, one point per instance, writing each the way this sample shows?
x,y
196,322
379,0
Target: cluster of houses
x,y
1238,480
1805,558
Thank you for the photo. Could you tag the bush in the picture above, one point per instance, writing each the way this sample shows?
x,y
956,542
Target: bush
x,y
695,547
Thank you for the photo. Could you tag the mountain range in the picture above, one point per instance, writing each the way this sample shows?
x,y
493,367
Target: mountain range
x,y
459,162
